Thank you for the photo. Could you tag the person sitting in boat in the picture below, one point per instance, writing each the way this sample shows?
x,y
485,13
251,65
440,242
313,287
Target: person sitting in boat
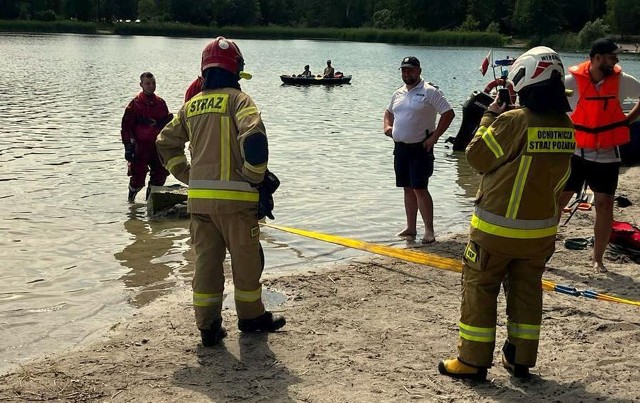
x,y
329,71
502,83
306,72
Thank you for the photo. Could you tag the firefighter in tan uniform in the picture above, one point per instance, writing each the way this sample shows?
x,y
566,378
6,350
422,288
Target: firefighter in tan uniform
x,y
229,155
524,158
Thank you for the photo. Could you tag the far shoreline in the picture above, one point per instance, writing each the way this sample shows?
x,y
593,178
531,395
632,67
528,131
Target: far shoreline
x,y
477,39
373,35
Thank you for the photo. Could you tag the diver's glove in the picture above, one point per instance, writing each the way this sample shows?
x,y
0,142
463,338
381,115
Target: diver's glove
x,y
161,123
130,152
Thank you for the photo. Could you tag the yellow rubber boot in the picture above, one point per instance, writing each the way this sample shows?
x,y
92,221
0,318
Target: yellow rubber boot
x,y
459,370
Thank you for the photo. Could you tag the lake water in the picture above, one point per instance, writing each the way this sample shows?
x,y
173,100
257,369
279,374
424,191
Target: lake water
x,y
76,257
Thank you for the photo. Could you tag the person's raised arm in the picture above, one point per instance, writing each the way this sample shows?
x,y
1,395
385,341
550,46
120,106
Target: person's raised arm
x,y
486,150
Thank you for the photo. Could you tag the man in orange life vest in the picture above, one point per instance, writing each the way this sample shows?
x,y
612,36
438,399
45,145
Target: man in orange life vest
x,y
599,87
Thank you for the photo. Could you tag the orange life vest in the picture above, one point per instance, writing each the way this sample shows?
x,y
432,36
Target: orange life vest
x,y
598,118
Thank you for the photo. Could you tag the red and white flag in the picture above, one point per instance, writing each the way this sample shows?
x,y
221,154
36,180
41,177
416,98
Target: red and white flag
x,y
485,63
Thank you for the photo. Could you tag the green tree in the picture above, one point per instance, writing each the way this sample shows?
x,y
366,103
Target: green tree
x,y
147,10
384,19
8,9
493,28
470,24
235,12
624,16
279,12
538,17
194,12
28,9
433,14
592,31
490,11
83,10
579,12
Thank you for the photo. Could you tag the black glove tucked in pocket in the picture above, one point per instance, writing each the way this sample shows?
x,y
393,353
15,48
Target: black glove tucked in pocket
x,y
266,189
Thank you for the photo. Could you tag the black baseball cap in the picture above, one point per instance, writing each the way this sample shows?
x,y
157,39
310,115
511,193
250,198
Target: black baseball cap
x,y
604,46
410,61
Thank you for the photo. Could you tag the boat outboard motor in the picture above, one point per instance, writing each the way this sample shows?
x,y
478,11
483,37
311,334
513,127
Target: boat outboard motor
x,y
630,152
472,111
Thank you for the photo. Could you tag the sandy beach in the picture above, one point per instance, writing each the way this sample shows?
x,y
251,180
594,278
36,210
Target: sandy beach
x,y
372,329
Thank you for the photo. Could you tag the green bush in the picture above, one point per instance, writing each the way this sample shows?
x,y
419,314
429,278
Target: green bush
x,y
470,24
591,31
566,41
383,19
46,15
493,28
74,27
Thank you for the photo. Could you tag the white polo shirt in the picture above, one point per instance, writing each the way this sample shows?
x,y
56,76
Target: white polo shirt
x,y
414,111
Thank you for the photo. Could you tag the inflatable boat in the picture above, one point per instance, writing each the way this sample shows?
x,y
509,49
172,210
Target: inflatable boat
x,y
314,80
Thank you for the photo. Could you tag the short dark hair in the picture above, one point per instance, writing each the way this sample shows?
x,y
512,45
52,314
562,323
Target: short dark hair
x,y
146,74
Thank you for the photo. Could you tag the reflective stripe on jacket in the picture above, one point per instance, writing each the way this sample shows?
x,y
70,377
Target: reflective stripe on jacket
x,y
215,123
598,117
524,161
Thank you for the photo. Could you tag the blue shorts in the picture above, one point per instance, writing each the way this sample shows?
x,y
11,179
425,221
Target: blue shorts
x,y
601,177
413,165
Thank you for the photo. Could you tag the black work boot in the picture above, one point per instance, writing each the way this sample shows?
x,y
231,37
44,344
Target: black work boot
x,y
508,362
132,194
267,322
213,337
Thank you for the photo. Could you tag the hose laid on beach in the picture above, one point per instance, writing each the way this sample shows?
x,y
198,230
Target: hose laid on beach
x,y
568,290
436,261
427,259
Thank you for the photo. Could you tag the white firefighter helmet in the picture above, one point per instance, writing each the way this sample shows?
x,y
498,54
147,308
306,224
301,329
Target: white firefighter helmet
x,y
534,67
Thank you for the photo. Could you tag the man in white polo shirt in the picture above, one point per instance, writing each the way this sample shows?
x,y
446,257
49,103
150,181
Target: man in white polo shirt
x,y
410,119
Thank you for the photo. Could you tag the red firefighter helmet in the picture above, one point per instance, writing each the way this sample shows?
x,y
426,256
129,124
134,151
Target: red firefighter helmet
x,y
223,53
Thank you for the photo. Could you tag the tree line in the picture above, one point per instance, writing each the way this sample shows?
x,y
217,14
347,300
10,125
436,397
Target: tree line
x,y
527,18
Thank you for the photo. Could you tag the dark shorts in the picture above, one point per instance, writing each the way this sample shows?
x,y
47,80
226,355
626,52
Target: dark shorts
x,y
601,177
413,165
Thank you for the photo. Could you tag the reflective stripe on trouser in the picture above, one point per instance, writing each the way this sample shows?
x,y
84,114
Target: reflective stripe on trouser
x,y
482,275
211,236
